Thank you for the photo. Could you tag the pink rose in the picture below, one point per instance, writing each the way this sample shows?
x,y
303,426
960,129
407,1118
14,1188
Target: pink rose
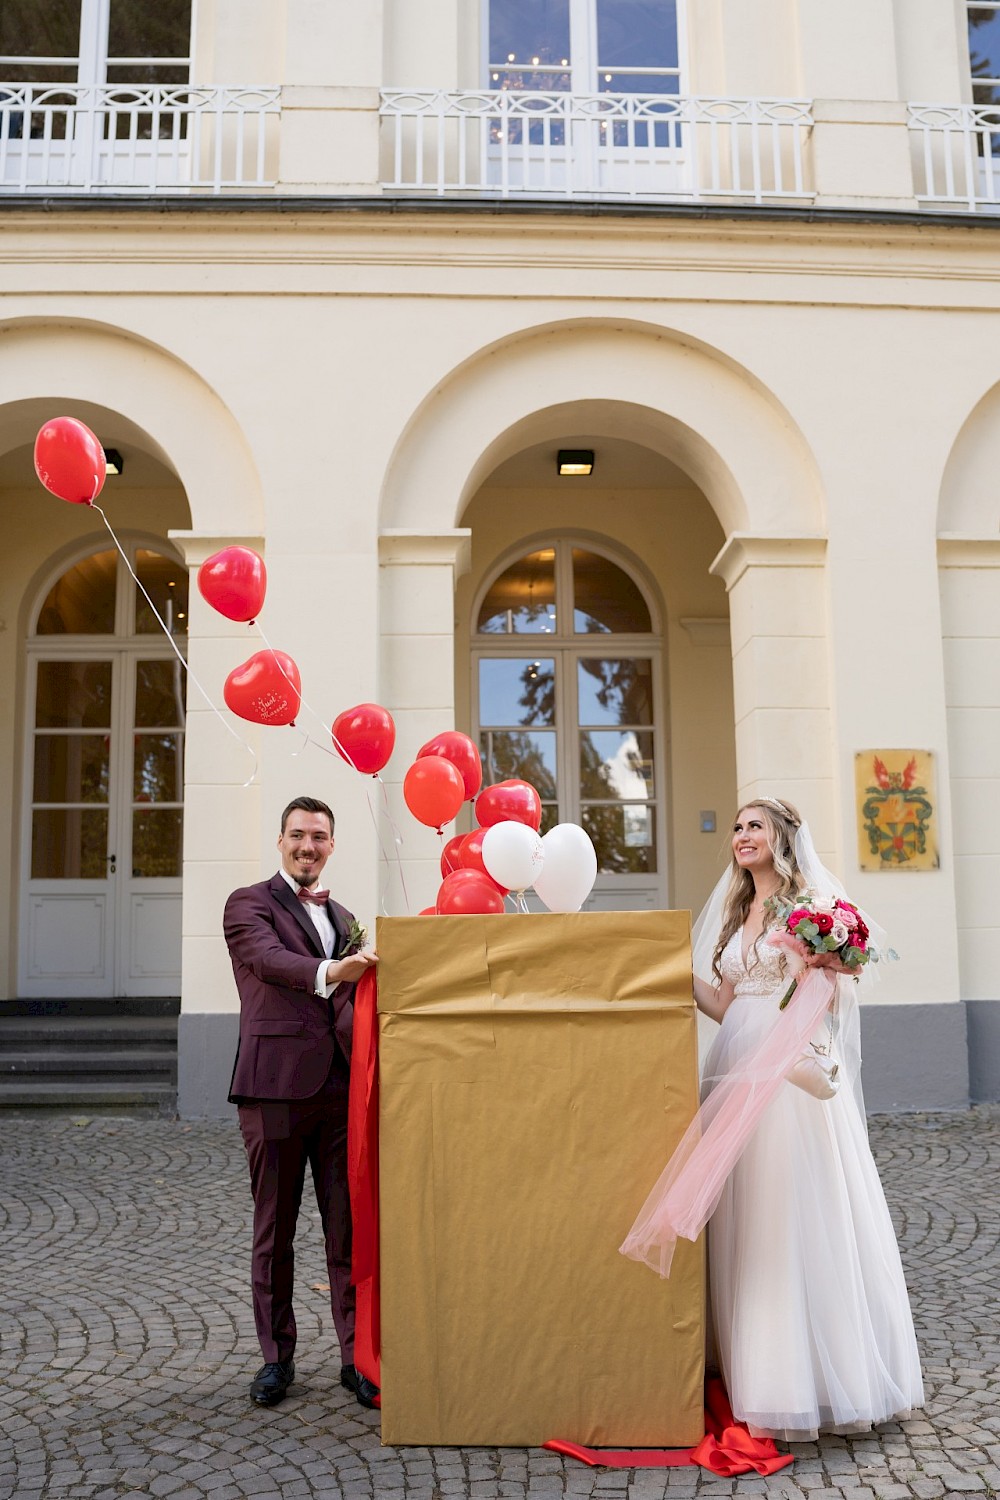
x,y
795,917
847,915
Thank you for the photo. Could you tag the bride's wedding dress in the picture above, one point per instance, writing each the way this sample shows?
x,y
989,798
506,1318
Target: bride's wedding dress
x,y
809,1307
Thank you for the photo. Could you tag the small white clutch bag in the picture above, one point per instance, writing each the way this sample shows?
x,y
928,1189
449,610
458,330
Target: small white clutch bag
x,y
817,1073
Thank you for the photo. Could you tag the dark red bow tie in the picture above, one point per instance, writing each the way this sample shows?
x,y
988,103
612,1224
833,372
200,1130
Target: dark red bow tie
x,y
318,898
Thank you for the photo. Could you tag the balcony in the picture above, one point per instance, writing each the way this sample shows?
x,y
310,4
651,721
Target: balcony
x,y
66,138
507,144
956,156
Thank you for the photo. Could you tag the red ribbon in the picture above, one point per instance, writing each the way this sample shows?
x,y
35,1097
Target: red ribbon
x,y
362,1177
727,1448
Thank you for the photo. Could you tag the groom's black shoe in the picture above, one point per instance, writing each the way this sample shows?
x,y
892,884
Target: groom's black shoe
x,y
364,1390
271,1383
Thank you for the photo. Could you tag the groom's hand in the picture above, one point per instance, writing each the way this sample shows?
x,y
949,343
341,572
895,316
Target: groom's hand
x,y
348,970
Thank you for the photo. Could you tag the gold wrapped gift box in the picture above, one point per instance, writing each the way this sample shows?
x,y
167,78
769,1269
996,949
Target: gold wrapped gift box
x,y
535,1075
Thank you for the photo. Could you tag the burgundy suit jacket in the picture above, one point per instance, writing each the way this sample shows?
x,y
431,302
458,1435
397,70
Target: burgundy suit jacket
x,y
287,1044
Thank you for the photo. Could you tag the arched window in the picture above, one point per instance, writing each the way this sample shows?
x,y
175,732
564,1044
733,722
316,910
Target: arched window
x,y
103,814
566,690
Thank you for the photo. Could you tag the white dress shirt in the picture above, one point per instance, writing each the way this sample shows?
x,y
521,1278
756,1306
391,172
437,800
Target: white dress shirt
x,y
320,918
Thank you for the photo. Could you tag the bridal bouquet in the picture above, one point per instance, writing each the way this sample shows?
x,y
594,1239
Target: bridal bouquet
x,y
812,928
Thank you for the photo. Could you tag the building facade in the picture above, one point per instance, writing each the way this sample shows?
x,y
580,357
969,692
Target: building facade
x,y
339,283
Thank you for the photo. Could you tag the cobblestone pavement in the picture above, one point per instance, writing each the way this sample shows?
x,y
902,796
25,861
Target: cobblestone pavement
x,y
126,1340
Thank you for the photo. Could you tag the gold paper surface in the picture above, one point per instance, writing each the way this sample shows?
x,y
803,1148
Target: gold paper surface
x,y
535,1074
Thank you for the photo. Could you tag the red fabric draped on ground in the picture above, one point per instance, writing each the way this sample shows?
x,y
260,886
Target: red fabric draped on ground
x,y
727,1447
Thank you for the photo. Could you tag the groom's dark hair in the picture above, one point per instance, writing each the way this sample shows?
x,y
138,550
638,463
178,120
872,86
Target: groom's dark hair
x,y
306,804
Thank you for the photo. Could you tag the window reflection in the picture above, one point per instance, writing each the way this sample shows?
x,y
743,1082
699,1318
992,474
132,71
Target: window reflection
x,y
515,691
624,837
71,768
156,843
166,583
529,44
615,691
159,694
158,768
69,844
984,53
82,601
73,695
616,764
605,599
522,601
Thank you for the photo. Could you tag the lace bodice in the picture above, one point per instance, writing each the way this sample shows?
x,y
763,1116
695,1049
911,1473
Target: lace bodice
x,y
764,975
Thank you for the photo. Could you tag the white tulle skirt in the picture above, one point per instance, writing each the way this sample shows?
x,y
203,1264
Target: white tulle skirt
x,y
811,1319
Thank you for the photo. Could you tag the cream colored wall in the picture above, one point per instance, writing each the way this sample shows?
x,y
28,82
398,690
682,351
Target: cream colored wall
x,y
675,535
38,531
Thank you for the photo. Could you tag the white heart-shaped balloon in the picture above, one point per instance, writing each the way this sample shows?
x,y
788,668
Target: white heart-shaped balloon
x,y
570,869
513,854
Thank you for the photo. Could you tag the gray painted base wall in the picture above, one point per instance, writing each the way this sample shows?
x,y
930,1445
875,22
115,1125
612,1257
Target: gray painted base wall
x,y
206,1051
916,1057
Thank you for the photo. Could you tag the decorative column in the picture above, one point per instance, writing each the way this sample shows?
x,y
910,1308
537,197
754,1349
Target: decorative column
x,y
417,573
781,678
221,842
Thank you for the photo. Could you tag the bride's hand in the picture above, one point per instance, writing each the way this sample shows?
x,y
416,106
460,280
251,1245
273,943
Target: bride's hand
x,y
829,961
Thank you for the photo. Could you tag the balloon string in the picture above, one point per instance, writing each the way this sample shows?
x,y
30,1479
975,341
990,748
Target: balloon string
x,y
176,650
345,753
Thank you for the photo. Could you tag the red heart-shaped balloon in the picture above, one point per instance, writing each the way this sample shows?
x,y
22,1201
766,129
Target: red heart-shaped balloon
x,y
462,753
512,801
266,689
69,460
234,582
467,893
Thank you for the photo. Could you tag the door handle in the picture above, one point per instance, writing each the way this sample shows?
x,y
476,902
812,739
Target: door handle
x,y
112,864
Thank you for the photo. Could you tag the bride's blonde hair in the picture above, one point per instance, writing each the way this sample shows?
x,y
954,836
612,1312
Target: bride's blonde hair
x,y
782,822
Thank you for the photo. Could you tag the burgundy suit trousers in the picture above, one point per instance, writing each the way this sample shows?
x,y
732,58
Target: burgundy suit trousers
x,y
281,1138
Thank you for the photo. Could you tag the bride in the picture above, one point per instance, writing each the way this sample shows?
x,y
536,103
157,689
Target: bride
x,y
812,1323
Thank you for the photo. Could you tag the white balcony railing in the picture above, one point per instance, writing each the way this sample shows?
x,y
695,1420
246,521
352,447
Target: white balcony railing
x,y
505,143
66,138
956,155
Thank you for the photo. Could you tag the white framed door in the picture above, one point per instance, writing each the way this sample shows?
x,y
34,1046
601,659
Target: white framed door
x,y
566,692
103,805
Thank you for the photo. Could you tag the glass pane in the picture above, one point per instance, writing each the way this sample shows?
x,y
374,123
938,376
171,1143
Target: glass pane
x,y
636,34
69,845
984,45
159,694
83,600
156,843
141,29
29,29
166,582
615,764
530,756
615,692
158,768
624,837
73,695
515,691
604,597
522,601
71,768
529,44
612,82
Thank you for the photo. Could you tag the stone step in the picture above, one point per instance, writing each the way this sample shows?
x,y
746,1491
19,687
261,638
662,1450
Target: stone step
x,y
87,1094
86,1031
50,1062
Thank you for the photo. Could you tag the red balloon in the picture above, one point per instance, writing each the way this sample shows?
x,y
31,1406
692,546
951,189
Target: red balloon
x,y
433,790
462,752
266,689
428,911
234,581
364,737
450,861
509,802
470,857
468,893
69,461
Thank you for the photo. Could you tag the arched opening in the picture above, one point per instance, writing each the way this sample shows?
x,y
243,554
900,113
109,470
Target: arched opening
x,y
102,819
594,659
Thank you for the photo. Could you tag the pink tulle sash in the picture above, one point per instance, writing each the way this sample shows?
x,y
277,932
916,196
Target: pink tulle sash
x,y
688,1189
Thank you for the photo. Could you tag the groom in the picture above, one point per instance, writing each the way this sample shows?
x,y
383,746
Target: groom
x,y
288,942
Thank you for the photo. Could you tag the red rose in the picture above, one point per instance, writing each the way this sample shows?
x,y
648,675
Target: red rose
x,y
795,917
861,929
824,922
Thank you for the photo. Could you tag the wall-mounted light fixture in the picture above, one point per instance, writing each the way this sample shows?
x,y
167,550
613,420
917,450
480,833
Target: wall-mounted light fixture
x,y
114,461
575,461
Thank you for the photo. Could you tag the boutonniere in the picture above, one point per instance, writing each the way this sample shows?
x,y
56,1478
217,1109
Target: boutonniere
x,y
357,938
